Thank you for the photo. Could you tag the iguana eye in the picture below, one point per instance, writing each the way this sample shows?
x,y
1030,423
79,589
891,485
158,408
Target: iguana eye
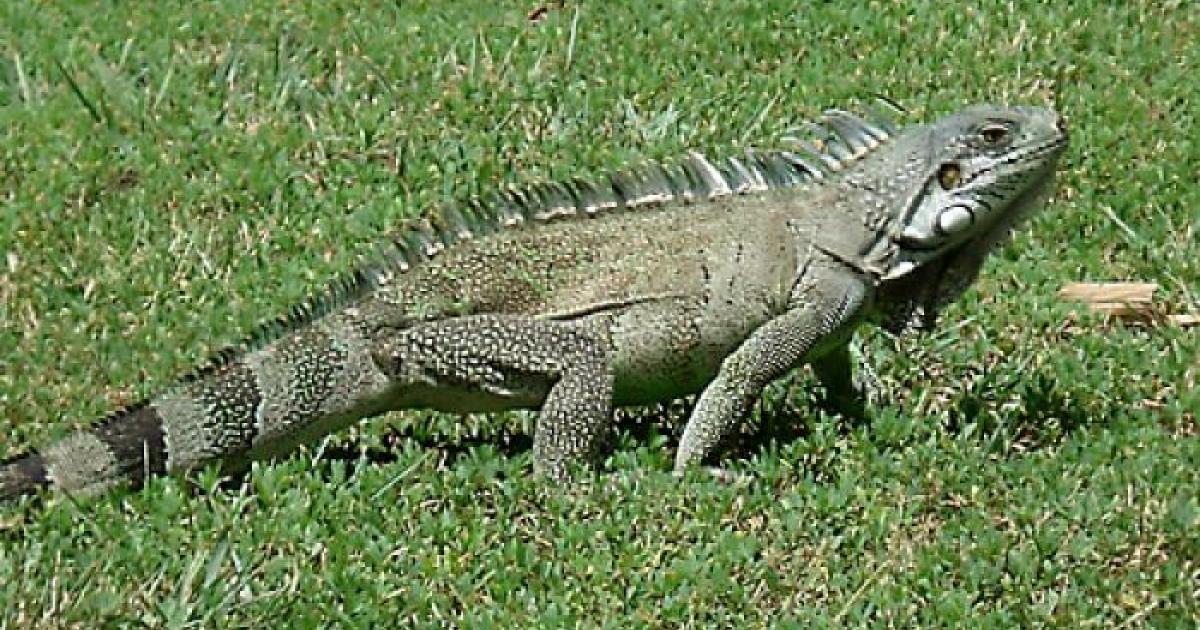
x,y
949,175
994,134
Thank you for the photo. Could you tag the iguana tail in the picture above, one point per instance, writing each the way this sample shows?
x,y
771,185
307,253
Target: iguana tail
x,y
249,404
128,446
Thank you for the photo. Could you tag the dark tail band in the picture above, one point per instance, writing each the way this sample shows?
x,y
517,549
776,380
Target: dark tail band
x,y
22,475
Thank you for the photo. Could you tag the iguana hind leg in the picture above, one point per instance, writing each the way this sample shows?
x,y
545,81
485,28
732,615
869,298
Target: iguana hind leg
x,y
498,362
824,313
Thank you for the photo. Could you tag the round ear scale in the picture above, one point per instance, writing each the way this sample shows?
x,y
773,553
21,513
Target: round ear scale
x,y
955,219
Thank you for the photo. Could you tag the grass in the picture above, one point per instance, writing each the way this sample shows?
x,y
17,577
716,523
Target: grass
x,y
172,174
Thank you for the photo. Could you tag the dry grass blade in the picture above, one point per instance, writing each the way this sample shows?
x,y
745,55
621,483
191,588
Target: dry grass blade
x,y
1130,302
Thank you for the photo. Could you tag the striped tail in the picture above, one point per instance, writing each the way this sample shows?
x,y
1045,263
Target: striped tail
x,y
126,447
247,405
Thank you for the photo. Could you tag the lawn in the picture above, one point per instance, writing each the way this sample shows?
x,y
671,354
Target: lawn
x,y
173,173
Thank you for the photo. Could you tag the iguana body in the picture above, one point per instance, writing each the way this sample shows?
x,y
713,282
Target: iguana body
x,y
662,282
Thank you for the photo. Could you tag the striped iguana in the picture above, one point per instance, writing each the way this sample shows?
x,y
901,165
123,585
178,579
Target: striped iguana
x,y
646,285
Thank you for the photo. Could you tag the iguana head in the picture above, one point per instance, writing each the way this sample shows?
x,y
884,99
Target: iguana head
x,y
972,177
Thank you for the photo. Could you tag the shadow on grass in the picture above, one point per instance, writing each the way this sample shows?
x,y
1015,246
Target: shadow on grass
x,y
1020,412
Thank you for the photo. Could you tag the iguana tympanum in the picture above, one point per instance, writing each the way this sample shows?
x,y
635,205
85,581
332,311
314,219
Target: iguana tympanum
x,y
652,284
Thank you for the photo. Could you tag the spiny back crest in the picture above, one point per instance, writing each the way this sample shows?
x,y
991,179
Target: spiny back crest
x,y
841,139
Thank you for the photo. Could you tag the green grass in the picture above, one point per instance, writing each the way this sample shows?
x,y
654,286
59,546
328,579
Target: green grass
x,y
172,173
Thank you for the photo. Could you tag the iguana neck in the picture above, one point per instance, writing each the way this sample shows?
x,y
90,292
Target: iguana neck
x,y
855,228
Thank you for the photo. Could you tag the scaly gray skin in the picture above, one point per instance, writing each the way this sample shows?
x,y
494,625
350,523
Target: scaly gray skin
x,y
572,298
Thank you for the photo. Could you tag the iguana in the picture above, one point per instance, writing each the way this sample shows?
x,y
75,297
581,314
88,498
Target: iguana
x,y
647,285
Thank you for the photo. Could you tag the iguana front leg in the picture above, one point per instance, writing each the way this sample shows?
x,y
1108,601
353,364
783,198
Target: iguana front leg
x,y
498,362
825,309
847,391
